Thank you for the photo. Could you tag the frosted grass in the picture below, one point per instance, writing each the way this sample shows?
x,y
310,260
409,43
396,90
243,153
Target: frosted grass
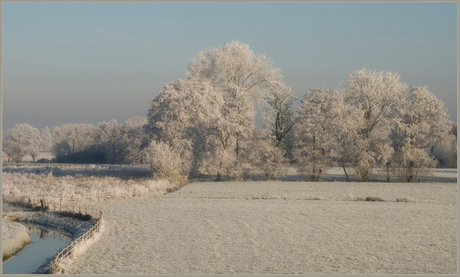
x,y
78,184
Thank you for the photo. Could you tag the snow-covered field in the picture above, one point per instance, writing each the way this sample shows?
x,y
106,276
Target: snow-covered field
x,y
259,227
235,228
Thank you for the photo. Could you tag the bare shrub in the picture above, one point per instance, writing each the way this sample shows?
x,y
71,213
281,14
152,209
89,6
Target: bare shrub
x,y
371,198
405,199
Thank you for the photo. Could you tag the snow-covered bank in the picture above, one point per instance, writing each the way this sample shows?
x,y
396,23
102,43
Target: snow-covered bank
x,y
73,226
14,237
226,228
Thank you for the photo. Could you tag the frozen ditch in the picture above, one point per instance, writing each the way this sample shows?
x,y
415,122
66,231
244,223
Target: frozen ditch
x,y
35,257
39,255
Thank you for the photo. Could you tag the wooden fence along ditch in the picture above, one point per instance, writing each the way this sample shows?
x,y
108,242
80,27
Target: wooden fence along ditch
x,y
69,251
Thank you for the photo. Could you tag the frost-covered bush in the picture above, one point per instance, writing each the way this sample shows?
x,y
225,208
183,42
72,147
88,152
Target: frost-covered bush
x,y
266,155
166,161
414,163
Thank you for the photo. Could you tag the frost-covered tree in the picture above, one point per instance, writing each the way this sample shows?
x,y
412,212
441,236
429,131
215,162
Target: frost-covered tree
x,y
422,122
373,96
316,145
5,157
133,137
46,139
445,151
181,113
277,113
22,139
278,122
108,138
72,138
240,77
263,154
33,151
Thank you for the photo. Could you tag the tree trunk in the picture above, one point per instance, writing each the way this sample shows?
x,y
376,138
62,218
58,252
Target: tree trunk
x,y
218,179
344,170
388,172
410,178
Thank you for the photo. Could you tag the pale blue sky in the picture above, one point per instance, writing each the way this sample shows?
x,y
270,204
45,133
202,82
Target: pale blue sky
x,y
93,62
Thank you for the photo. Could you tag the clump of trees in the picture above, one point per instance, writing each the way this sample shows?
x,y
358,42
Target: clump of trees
x,y
210,117
205,124
376,121
21,140
108,142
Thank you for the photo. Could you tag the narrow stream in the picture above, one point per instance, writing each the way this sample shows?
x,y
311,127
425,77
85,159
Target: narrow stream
x,y
43,248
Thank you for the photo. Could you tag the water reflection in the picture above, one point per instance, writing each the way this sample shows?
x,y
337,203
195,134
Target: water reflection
x,y
39,253
46,233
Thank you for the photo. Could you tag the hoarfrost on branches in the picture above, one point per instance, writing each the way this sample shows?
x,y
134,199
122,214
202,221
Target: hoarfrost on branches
x,y
316,146
422,122
46,139
21,140
373,95
209,117
72,138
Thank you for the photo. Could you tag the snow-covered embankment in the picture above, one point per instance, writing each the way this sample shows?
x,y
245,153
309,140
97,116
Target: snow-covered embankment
x,y
15,236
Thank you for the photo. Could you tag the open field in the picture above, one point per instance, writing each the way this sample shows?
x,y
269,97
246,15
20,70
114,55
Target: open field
x,y
252,227
235,228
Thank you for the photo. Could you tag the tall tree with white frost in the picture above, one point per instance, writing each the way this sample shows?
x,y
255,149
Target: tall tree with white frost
x,y
179,114
108,139
316,146
21,140
372,95
422,122
240,77
446,150
46,139
133,136
277,121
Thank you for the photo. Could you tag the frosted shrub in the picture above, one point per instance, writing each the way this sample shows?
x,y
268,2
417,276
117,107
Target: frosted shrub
x,y
166,161
414,163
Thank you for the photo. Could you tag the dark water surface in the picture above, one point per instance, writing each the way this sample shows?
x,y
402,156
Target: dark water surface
x,y
43,248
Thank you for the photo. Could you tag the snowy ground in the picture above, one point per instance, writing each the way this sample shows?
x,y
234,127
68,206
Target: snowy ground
x,y
14,237
248,227
274,227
